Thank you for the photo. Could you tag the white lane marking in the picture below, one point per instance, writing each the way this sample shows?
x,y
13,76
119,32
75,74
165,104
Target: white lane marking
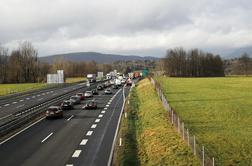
x,y
97,120
51,91
106,108
76,153
69,165
40,99
70,118
93,126
20,106
27,98
33,96
38,95
84,142
21,131
54,94
14,102
47,92
46,137
5,116
6,105
100,116
0,106
43,93
89,133
103,112
107,105
21,100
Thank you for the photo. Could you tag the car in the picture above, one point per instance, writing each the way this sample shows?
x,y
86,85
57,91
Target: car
x,y
88,94
115,87
95,92
66,105
54,112
129,82
108,91
123,81
75,99
99,87
90,105
82,96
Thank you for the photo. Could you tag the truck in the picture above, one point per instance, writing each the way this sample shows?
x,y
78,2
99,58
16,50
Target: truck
x,y
91,77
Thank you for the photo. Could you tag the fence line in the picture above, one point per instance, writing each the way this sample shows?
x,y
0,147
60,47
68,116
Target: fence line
x,y
177,122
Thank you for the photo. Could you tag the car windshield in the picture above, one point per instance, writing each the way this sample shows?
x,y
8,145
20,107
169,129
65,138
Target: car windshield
x,y
88,92
74,98
66,102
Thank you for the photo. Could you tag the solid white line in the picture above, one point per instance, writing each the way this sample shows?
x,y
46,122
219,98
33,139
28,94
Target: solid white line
x,y
76,153
46,137
97,120
89,133
70,118
100,116
84,142
20,106
103,112
5,116
21,131
93,126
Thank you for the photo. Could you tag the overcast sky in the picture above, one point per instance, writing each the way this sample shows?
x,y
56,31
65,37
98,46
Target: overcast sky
x,y
141,27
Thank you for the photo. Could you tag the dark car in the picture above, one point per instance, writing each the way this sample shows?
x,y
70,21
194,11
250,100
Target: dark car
x,y
99,87
90,105
54,112
66,105
108,91
82,96
95,92
75,99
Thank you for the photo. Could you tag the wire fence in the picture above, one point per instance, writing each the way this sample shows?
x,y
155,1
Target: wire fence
x,y
197,148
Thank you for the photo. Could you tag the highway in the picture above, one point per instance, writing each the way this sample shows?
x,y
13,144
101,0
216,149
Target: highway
x,y
82,137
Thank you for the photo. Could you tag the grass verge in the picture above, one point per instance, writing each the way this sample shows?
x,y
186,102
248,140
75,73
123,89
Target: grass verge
x,y
147,136
75,79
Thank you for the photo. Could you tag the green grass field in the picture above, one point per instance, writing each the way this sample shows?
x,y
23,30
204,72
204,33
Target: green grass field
x,y
218,111
148,137
74,79
14,88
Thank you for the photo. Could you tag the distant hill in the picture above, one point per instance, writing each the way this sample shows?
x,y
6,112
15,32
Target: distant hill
x,y
94,56
239,51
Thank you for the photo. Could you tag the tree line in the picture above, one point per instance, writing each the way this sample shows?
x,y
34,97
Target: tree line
x,y
193,63
22,65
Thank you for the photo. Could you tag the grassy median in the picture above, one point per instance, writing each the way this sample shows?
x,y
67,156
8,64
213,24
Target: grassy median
x,y
147,136
218,111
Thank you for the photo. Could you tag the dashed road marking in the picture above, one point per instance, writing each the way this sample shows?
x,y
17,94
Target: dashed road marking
x,y
84,142
70,118
46,137
103,112
93,126
38,95
33,96
20,106
105,108
97,120
6,105
100,116
14,102
107,105
89,133
21,100
43,93
40,99
69,165
27,98
76,153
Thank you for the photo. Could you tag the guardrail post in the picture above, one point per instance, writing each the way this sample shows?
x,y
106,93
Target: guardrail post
x,y
203,156
178,125
188,137
183,130
172,116
213,161
194,145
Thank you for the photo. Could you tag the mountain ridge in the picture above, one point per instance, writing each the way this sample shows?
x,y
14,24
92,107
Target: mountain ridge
x,y
94,56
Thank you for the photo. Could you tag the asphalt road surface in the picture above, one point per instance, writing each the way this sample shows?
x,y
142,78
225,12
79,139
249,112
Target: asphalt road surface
x,y
82,137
